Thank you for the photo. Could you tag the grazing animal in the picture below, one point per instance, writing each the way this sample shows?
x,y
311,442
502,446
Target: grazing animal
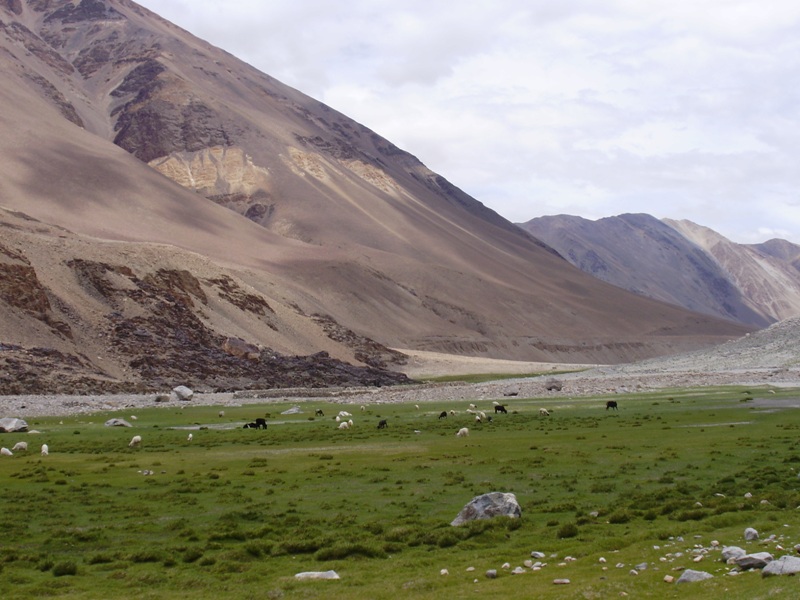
x,y
478,419
344,425
452,413
20,446
611,404
350,422
472,406
135,441
221,413
189,438
463,432
344,413
544,412
499,408
261,423
319,413
363,408
443,414
45,450
482,415
382,424
6,452
416,406
249,426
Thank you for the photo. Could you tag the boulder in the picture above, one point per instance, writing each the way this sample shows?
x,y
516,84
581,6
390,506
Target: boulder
x,y
750,534
691,576
115,422
240,349
488,506
295,410
182,392
12,425
758,560
785,565
731,553
317,575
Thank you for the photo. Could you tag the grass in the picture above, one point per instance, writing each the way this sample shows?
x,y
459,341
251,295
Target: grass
x,y
236,513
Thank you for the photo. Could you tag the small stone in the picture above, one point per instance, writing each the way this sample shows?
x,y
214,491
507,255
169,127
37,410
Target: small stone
x,y
506,566
698,558
538,555
491,574
601,559
669,579
470,569
750,534
561,582
633,572
444,572
518,571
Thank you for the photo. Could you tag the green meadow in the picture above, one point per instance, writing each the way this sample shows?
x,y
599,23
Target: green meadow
x,y
236,513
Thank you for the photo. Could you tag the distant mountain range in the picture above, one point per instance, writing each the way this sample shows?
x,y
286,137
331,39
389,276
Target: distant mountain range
x,y
681,263
163,204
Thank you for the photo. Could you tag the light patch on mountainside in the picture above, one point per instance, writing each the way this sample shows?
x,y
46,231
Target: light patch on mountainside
x,y
768,283
373,176
302,163
214,171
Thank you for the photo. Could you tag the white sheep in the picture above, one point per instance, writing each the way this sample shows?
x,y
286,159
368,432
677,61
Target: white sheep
x,y
134,417
363,408
6,452
416,406
463,432
350,423
478,419
344,425
452,413
482,415
45,450
189,438
221,413
20,446
544,412
338,418
135,441
344,414
472,406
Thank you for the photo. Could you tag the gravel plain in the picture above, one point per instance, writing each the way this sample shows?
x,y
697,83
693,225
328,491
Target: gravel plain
x,y
770,357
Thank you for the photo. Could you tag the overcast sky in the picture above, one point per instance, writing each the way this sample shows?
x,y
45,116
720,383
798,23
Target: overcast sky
x,y
688,109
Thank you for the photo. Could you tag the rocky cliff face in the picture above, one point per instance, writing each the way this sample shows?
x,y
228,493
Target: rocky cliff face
x,y
681,263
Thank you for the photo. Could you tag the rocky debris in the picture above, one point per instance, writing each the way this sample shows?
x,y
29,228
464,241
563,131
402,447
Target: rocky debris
x,y
553,385
12,425
367,351
117,422
488,506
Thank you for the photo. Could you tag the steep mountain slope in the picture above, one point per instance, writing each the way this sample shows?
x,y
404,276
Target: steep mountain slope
x,y
681,263
126,141
769,282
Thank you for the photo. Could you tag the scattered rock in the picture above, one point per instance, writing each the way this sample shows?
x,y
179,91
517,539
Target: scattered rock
x,y
487,506
750,534
785,565
561,582
183,393
12,425
491,574
116,422
759,560
295,410
731,553
669,579
317,575
691,576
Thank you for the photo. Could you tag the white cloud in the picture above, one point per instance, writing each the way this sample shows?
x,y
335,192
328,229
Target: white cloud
x,y
682,109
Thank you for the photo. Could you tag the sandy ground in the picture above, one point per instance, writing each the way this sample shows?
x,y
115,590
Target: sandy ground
x,y
433,364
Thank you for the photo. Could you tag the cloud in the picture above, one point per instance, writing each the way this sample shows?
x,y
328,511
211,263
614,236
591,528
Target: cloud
x,y
680,109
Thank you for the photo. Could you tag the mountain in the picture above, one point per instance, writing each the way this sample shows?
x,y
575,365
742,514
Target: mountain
x,y
682,263
149,180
